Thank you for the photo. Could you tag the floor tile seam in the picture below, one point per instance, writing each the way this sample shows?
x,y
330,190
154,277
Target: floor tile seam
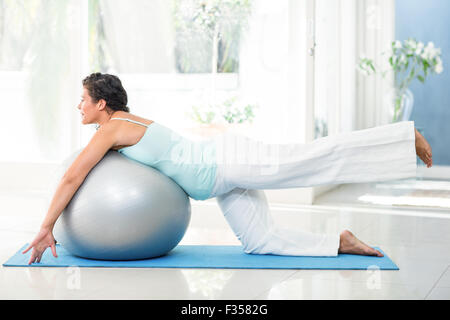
x,y
437,281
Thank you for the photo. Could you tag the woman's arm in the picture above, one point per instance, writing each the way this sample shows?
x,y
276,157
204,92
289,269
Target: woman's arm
x,y
63,194
44,239
103,140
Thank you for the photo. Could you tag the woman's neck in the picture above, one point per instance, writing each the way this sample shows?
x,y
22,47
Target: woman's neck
x,y
106,117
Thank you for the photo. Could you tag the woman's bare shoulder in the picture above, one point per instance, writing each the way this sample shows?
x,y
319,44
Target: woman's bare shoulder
x,y
134,117
125,133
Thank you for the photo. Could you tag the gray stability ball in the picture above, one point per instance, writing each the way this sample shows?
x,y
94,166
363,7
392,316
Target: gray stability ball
x,y
124,210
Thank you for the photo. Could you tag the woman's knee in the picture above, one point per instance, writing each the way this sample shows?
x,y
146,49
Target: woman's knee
x,y
258,243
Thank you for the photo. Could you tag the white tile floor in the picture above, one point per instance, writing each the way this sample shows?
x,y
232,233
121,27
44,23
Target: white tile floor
x,y
418,243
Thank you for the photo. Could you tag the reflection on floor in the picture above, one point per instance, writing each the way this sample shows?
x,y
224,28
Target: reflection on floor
x,y
425,195
414,234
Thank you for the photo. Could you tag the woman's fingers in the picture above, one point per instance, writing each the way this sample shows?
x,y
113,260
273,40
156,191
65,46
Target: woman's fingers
x,y
32,257
36,255
53,247
28,249
39,245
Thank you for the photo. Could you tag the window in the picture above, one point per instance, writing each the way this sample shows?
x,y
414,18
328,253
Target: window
x,y
177,64
196,63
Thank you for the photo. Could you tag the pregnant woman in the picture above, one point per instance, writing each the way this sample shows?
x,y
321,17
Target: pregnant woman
x,y
236,169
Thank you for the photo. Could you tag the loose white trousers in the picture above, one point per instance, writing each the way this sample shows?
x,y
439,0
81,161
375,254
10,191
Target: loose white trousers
x,y
246,167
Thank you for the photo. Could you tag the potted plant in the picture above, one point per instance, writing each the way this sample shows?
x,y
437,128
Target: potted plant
x,y
408,61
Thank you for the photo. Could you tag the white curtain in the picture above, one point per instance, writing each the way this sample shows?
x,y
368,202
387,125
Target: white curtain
x,y
139,35
39,54
375,31
346,30
40,82
273,70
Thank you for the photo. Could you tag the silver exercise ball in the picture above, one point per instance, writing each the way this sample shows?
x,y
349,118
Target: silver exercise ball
x,y
124,210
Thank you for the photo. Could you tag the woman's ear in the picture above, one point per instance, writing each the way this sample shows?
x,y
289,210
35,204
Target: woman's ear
x,y
101,104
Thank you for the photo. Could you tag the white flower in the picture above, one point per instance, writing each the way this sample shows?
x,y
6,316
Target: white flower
x,y
411,43
438,68
410,51
419,48
402,59
397,45
429,53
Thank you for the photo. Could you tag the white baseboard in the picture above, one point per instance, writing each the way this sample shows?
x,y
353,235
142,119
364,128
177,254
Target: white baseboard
x,y
434,173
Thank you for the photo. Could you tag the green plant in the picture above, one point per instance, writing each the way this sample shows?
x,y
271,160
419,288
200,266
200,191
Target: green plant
x,y
201,115
237,114
408,60
230,111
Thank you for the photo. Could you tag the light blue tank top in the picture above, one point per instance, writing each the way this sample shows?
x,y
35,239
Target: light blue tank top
x,y
192,165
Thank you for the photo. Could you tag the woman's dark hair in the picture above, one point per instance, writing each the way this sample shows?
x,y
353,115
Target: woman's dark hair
x,y
109,88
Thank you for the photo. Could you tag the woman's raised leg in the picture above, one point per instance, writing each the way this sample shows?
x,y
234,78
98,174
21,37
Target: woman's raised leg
x,y
377,154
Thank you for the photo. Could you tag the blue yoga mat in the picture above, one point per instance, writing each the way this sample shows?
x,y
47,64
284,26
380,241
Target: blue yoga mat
x,y
209,256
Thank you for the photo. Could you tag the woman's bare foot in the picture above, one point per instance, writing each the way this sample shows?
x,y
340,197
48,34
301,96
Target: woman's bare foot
x,y
350,244
423,149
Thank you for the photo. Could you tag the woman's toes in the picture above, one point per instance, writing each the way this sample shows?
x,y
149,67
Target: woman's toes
x,y
350,244
378,253
372,252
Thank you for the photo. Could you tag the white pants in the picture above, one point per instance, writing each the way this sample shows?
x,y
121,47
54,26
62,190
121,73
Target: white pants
x,y
246,167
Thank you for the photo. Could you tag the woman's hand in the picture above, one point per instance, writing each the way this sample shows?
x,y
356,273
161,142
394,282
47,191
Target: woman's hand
x,y
41,242
423,149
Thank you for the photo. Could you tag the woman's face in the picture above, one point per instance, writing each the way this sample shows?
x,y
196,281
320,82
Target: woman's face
x,y
89,109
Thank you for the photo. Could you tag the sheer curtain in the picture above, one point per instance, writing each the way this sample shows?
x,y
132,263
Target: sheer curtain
x,y
135,41
275,70
38,59
345,100
375,31
164,70
139,35
39,84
